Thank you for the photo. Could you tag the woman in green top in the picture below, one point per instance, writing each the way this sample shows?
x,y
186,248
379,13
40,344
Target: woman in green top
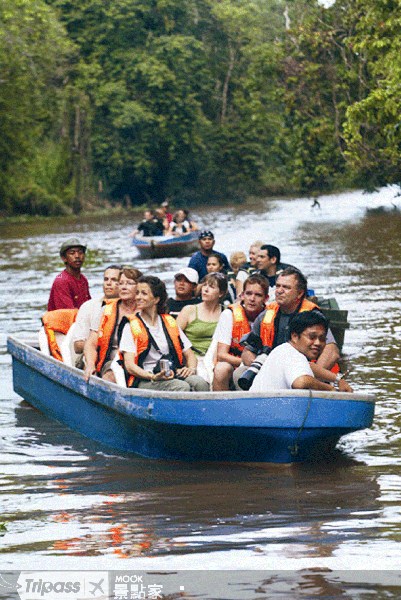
x,y
199,321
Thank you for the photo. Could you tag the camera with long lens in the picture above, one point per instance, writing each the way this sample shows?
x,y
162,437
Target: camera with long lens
x,y
255,343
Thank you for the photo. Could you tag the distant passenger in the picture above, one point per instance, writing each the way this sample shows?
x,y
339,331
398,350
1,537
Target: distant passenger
x,y
185,282
198,260
70,289
152,337
90,310
179,225
149,226
192,224
288,366
102,344
165,206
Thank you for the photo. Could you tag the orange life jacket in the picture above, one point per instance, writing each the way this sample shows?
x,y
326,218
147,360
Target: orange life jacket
x,y
267,330
60,321
240,328
143,343
106,332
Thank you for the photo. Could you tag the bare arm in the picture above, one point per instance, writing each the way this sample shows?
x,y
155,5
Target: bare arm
x,y
90,353
329,356
307,382
191,364
326,375
184,317
248,357
223,355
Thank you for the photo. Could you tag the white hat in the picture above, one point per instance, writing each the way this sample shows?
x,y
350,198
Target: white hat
x,y
189,273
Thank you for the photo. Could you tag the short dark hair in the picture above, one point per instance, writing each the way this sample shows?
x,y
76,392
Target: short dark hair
x,y
302,282
306,319
257,280
272,251
158,289
114,267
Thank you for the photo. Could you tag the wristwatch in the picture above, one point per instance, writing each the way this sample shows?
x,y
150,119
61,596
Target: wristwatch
x,y
338,378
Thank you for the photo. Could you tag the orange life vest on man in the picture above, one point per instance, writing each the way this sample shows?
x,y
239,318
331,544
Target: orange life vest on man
x,y
267,329
240,328
142,340
106,332
59,321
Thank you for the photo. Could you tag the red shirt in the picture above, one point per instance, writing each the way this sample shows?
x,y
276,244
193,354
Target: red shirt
x,y
68,291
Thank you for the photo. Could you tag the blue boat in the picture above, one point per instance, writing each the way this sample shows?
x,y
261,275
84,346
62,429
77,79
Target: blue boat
x,y
166,246
280,427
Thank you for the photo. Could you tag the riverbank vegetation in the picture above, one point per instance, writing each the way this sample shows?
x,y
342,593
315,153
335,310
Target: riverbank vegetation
x,y
132,101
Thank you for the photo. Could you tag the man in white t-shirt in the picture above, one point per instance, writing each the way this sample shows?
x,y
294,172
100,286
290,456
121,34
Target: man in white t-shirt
x,y
288,366
90,310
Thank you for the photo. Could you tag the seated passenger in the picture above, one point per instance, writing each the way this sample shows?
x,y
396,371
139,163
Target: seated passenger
x,y
269,263
149,226
234,323
237,261
198,260
200,321
90,310
102,344
161,216
185,282
215,264
179,225
288,366
193,226
152,335
272,326
249,268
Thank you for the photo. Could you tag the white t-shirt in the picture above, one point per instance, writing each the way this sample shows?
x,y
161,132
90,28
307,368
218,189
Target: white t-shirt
x,y
280,369
127,343
88,318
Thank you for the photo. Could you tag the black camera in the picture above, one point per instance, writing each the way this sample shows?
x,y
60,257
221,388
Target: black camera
x,y
246,379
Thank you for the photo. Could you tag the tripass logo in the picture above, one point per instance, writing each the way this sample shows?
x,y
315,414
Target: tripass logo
x,y
63,585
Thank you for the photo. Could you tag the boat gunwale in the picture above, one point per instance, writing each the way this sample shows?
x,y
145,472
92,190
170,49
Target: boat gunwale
x,y
133,393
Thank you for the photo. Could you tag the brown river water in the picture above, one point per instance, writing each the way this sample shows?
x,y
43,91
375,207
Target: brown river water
x,y
324,530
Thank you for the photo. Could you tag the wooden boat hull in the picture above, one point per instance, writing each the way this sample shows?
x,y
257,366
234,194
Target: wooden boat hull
x,y
288,426
166,246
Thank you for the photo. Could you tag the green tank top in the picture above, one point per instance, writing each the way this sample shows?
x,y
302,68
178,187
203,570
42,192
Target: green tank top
x,y
200,334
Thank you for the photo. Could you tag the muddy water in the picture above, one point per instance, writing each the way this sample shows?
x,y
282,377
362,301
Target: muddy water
x,y
69,503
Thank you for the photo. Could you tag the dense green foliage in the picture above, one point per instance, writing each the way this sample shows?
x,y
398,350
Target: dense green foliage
x,y
144,99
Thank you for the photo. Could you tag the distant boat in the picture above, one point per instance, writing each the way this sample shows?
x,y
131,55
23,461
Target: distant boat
x,y
166,246
281,427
